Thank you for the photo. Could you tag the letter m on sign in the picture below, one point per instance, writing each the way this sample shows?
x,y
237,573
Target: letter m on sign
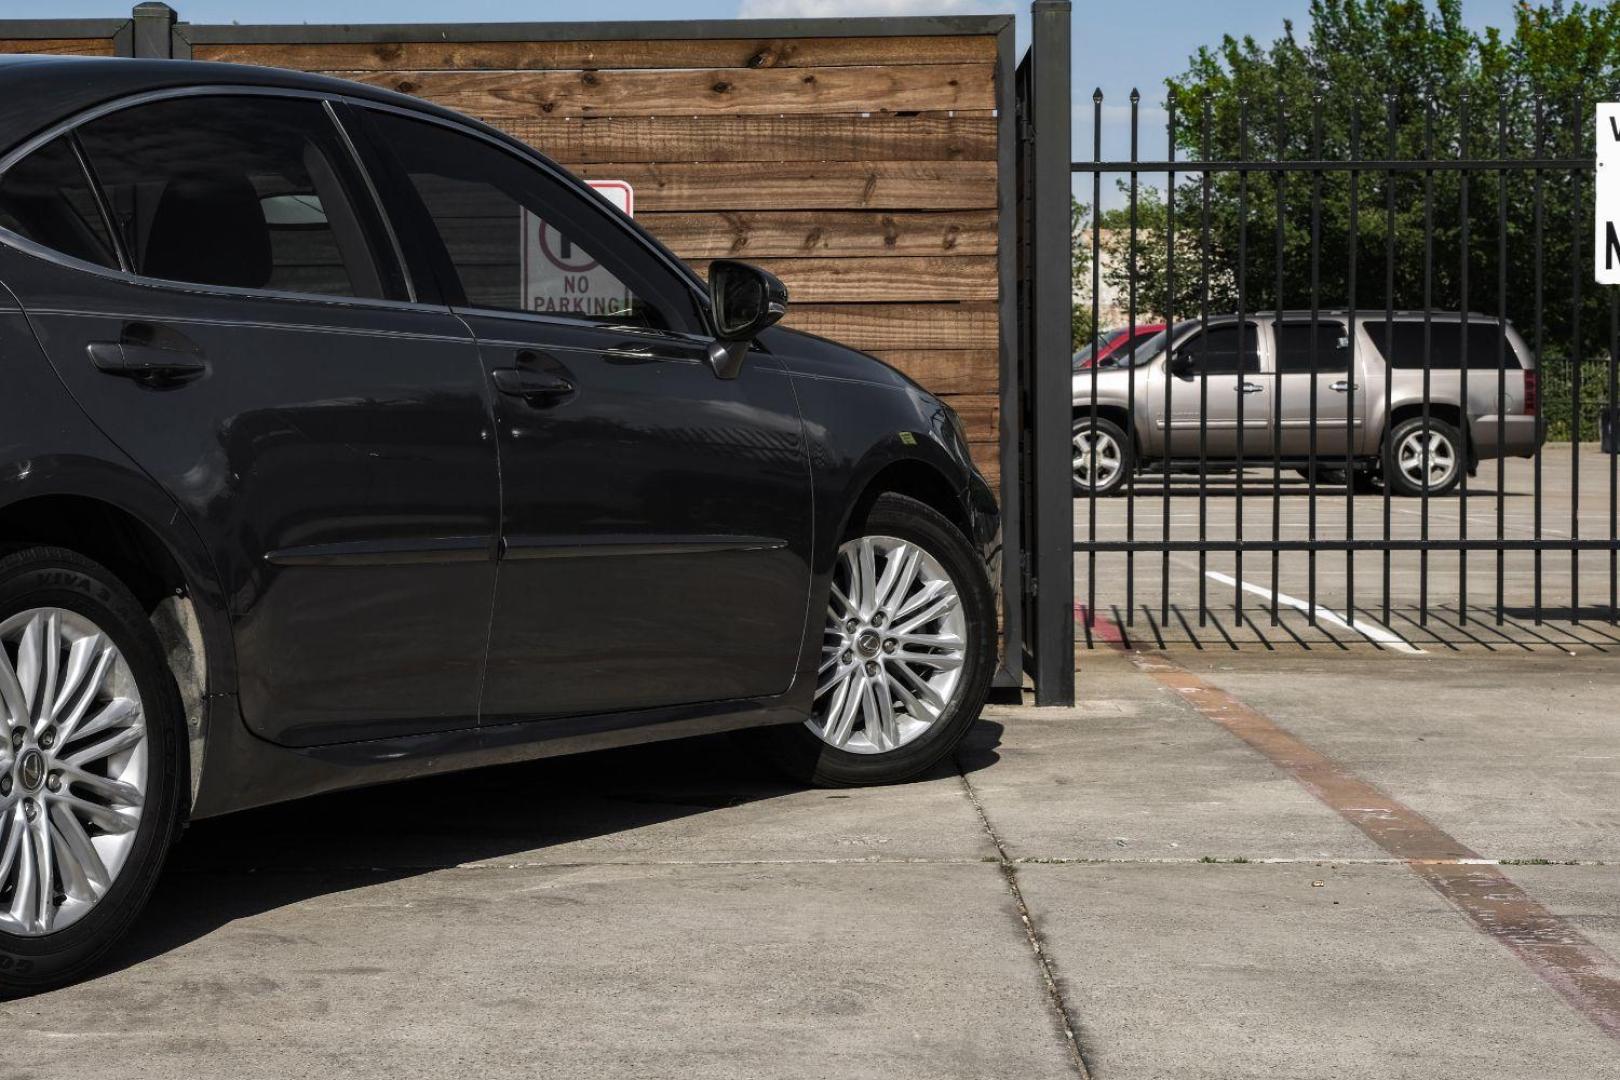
x,y
1606,256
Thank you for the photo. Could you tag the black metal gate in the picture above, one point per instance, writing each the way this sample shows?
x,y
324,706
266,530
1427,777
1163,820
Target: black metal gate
x,y
1379,338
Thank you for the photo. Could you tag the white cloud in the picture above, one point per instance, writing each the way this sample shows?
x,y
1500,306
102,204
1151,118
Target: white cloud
x,y
839,9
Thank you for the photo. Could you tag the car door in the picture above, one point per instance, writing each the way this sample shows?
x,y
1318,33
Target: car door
x,y
244,333
1315,390
655,517
1217,380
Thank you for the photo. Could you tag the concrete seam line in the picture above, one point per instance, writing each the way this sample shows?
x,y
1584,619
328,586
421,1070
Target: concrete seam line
x,y
1009,874
1575,968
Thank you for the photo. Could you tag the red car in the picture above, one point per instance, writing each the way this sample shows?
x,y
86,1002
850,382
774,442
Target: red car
x,y
1111,344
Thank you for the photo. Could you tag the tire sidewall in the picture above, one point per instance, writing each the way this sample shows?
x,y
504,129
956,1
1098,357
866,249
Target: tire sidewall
x,y
39,578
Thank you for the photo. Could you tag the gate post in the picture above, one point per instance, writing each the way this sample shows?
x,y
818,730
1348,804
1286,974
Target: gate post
x,y
154,30
1051,268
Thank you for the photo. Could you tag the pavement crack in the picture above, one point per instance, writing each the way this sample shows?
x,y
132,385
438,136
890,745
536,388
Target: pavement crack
x,y
1054,990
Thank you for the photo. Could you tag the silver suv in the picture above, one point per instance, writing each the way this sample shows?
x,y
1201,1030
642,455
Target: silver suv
x,y
1226,390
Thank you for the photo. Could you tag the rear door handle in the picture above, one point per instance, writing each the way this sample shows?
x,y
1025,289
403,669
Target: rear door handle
x,y
147,362
1249,388
1342,386
533,386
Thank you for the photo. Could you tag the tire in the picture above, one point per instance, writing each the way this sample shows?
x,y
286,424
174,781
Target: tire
x,y
60,597
1404,464
1119,457
904,746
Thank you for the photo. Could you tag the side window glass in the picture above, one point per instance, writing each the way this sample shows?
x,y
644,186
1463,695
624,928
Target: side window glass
x,y
46,198
1216,351
1404,338
250,192
518,240
1326,344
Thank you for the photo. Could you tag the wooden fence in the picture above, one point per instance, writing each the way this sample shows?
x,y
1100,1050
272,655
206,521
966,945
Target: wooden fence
x,y
860,160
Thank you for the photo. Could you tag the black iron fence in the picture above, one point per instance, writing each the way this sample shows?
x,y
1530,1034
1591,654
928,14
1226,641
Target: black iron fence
x,y
1384,352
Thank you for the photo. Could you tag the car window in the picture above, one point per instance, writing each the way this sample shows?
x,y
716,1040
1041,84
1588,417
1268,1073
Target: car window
x,y
1404,341
1216,350
519,240
1304,347
47,198
249,192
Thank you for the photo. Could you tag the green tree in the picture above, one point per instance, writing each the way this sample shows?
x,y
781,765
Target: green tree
x,y
1398,79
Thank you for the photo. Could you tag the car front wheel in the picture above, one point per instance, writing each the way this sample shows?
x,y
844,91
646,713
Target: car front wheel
x,y
908,650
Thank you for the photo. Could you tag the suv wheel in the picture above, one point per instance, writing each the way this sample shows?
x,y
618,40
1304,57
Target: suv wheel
x,y
907,653
1102,456
89,768
1410,454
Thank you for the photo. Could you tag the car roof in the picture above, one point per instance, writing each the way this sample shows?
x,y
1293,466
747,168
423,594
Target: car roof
x,y
37,92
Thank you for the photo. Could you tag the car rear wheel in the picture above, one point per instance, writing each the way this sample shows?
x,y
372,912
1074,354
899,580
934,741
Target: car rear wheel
x,y
1413,456
908,650
89,773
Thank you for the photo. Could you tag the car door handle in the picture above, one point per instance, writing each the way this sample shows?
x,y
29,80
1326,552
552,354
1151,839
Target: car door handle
x,y
1342,387
534,386
1249,388
148,362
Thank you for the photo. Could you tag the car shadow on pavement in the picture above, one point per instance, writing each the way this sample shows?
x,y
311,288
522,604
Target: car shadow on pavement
x,y
240,865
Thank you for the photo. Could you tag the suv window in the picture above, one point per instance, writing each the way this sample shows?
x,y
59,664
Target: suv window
x,y
519,240
251,192
1215,351
47,198
1324,343
1404,337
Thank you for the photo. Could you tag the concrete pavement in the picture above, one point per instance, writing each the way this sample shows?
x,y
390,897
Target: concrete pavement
x,y
674,911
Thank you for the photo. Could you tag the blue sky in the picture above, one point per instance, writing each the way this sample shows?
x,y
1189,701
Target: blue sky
x,y
1117,45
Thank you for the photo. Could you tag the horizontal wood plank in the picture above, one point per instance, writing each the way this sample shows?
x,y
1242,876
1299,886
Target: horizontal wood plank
x,y
58,46
824,234
987,456
883,185
948,371
980,413
877,280
583,139
739,52
876,327
698,93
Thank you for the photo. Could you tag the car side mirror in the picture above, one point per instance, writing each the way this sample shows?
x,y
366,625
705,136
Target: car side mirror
x,y
1181,364
745,300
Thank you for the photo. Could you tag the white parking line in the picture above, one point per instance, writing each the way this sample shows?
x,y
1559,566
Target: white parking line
x,y
1371,631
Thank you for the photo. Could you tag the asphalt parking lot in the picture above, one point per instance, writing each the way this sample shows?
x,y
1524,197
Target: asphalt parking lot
x,y
1163,608
1290,864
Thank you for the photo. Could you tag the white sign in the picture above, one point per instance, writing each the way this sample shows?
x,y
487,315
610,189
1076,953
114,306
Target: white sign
x,y
1607,261
560,276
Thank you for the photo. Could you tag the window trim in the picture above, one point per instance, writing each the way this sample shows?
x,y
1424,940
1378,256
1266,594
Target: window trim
x,y
70,127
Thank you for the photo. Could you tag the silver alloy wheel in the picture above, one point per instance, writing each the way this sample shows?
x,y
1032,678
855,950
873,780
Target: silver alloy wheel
x,y
73,768
895,646
1095,452
1434,457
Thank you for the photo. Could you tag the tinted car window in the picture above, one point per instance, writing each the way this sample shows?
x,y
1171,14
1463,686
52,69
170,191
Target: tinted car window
x,y
518,240
1215,351
1403,338
1325,343
250,192
46,198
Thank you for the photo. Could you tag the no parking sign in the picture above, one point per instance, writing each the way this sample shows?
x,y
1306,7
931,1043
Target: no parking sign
x,y
559,275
